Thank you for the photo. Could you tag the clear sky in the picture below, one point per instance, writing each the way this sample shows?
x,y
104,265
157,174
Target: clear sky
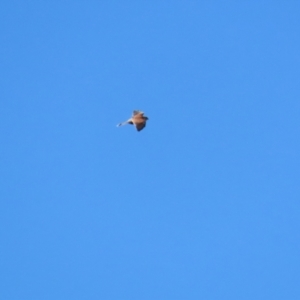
x,y
204,203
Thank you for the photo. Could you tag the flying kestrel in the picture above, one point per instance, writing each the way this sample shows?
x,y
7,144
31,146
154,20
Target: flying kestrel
x,y
138,120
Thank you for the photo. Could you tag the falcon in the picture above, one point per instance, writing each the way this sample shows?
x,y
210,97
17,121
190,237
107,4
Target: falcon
x,y
138,120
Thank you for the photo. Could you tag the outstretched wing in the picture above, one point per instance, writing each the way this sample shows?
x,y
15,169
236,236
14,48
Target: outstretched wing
x,y
126,122
140,126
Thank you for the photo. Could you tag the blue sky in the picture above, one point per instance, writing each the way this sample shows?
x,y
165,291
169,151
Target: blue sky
x,y
201,204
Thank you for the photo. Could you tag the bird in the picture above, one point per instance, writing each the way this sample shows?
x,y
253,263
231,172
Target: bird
x,y
138,120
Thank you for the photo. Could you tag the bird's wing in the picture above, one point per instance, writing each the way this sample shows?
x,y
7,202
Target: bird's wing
x,y
140,125
137,112
126,122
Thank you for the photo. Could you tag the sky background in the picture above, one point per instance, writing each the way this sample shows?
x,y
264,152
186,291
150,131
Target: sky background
x,y
204,203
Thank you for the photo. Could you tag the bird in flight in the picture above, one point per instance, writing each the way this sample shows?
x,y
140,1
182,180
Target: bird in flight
x,y
138,120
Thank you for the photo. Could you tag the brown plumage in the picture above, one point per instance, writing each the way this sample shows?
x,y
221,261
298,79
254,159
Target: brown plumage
x,y
138,120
